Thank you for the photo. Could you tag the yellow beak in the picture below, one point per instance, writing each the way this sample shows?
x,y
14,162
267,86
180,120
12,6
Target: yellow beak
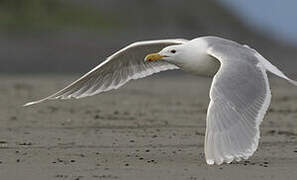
x,y
153,57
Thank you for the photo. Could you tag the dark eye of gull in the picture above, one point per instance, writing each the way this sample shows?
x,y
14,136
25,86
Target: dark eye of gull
x,y
173,51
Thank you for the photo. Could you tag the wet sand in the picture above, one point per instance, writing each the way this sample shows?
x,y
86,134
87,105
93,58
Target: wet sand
x,y
150,129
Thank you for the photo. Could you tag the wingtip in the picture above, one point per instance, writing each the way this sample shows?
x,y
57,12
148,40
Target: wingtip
x,y
32,103
29,104
210,161
293,82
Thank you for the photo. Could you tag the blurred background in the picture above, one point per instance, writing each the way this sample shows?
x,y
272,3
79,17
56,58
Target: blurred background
x,y
72,36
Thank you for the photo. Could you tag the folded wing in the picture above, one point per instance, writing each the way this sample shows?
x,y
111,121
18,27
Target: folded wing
x,y
116,70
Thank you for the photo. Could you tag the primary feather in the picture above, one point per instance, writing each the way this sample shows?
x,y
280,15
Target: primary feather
x,y
117,70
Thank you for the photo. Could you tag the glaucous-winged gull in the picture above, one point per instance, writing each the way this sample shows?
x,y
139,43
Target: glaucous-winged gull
x,y
239,94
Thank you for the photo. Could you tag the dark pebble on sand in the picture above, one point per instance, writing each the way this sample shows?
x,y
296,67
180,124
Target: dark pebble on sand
x,y
151,161
126,164
13,118
78,178
147,150
25,144
271,132
72,160
199,133
61,176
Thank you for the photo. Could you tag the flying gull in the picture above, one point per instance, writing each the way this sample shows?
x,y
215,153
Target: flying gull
x,y
239,94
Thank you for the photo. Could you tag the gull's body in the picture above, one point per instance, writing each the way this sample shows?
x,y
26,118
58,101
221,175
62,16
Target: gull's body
x,y
239,96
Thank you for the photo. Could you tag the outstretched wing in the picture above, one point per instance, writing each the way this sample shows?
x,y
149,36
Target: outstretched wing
x,y
240,96
116,70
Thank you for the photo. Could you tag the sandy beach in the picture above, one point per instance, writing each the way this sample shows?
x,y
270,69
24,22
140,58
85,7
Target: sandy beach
x,y
149,129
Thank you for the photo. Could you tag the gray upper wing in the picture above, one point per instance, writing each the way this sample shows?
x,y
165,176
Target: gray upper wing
x,y
240,96
116,70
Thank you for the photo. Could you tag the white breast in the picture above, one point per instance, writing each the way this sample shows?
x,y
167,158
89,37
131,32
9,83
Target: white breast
x,y
204,66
